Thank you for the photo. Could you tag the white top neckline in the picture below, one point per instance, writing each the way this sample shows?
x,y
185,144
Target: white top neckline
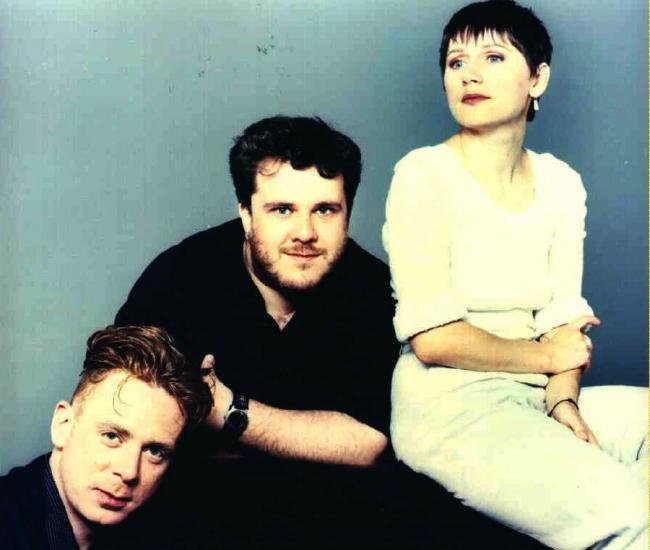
x,y
480,191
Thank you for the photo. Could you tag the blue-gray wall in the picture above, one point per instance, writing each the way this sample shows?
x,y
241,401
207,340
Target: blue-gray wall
x,y
116,118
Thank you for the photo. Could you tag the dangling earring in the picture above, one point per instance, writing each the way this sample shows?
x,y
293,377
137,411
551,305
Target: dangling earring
x,y
535,104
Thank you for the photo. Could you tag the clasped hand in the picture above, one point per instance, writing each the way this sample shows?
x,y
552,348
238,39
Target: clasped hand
x,y
568,347
221,395
571,349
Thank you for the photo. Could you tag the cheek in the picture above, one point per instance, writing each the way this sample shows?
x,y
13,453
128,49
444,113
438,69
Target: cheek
x,y
152,475
335,233
269,232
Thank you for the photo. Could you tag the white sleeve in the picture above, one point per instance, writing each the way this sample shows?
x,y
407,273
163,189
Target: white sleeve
x,y
417,238
566,257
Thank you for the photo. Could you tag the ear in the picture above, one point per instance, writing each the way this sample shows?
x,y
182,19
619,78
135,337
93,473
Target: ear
x,y
245,215
540,79
62,422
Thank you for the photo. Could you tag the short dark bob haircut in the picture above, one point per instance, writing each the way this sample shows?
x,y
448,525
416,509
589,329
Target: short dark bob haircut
x,y
506,18
302,141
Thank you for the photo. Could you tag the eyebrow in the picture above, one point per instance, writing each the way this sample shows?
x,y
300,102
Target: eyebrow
x,y
334,205
484,47
126,434
276,204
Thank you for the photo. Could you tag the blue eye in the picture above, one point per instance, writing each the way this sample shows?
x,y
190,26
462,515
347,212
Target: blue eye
x,y
494,58
283,210
157,453
111,438
325,210
456,64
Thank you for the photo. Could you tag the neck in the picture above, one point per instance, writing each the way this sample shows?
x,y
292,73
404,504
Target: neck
x,y
492,155
276,304
82,531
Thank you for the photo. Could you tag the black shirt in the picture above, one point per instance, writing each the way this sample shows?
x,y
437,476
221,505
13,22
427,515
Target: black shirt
x,y
337,353
32,515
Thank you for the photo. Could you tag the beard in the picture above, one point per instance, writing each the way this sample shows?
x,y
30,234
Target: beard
x,y
292,281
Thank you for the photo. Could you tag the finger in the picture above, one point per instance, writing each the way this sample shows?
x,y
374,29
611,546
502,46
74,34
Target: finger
x,y
588,342
592,440
584,320
582,433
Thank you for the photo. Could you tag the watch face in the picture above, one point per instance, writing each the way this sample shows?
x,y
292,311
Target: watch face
x,y
237,421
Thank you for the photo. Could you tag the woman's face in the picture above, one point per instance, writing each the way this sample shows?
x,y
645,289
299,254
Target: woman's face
x,y
488,82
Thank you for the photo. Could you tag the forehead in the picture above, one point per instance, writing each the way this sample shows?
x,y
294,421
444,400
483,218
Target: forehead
x,y
148,412
279,181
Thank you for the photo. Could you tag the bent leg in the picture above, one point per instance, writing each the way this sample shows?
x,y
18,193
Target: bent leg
x,y
490,444
618,416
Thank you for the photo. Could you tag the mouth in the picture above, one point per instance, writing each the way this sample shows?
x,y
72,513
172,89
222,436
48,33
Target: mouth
x,y
303,255
112,501
473,99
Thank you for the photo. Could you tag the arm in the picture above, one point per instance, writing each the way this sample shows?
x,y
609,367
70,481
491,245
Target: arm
x,y
417,237
560,389
319,436
462,345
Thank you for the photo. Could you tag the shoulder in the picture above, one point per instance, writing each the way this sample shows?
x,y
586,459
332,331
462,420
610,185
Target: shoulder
x,y
22,497
424,177
424,159
205,250
24,478
360,275
558,177
222,238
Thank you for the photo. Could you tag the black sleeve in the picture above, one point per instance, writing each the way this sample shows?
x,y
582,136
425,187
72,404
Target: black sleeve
x,y
368,349
373,350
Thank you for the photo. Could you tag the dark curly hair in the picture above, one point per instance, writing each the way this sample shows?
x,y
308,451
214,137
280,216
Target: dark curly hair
x,y
150,355
302,141
506,18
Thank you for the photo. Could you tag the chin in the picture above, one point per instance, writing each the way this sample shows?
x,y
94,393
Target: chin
x,y
298,284
101,516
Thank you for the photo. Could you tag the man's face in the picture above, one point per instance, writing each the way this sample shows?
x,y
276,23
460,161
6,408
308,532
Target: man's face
x,y
296,226
114,444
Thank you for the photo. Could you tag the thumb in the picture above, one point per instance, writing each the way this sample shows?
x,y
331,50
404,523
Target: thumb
x,y
207,365
583,320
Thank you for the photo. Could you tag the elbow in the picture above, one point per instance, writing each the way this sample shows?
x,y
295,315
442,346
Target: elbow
x,y
429,348
372,452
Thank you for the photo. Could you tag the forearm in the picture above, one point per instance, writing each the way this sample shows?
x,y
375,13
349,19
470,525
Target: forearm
x,y
563,386
464,346
319,436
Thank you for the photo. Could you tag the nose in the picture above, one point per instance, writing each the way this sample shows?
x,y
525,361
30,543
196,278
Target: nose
x,y
126,465
471,74
304,229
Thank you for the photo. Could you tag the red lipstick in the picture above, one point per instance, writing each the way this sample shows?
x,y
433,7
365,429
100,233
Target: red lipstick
x,y
473,99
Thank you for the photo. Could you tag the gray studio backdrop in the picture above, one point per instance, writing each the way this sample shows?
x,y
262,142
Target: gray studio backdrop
x,y
116,118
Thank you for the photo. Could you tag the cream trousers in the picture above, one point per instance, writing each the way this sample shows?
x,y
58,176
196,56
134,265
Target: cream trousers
x,y
487,439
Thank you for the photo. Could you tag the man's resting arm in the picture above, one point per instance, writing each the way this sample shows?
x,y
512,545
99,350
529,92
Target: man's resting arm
x,y
318,436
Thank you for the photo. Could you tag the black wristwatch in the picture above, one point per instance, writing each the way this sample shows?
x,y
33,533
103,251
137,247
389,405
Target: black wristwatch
x,y
236,419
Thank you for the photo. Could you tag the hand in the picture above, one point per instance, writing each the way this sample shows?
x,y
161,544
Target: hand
x,y
568,347
567,414
221,394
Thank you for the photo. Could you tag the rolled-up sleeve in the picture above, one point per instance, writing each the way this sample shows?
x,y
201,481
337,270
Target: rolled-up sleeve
x,y
566,257
417,238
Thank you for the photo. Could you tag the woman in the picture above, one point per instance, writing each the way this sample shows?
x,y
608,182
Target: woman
x,y
485,243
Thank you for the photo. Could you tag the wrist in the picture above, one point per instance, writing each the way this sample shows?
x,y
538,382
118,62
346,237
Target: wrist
x,y
236,418
567,401
546,358
223,397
